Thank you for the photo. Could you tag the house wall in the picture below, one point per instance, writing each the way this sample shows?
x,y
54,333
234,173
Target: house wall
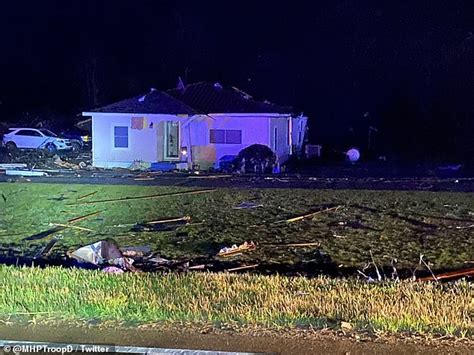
x,y
147,144
205,154
142,143
299,132
282,148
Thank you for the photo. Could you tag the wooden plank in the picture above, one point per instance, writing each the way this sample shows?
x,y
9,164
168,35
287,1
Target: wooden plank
x,y
310,215
246,267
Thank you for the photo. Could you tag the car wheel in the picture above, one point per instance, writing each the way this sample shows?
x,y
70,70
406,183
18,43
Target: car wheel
x,y
11,146
75,146
50,147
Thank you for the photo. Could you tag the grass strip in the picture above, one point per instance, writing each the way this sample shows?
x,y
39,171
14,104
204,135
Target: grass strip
x,y
268,301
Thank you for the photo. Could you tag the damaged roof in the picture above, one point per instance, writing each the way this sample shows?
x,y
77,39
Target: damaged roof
x,y
214,98
155,102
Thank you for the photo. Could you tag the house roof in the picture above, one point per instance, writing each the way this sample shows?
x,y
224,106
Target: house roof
x,y
155,102
214,98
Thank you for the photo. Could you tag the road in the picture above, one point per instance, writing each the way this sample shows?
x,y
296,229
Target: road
x,y
225,342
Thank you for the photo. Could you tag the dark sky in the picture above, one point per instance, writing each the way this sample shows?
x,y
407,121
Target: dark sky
x,y
408,63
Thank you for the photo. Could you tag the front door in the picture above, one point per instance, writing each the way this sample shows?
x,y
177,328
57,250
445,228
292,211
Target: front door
x,y
171,140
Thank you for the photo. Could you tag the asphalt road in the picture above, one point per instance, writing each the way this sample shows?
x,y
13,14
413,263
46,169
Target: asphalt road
x,y
199,343
465,184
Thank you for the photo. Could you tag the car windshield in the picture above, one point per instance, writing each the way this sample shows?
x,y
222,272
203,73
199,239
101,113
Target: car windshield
x,y
48,133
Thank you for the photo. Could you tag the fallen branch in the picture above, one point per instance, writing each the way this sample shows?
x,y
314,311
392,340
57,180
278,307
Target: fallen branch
x,y
449,275
242,268
310,215
86,195
130,198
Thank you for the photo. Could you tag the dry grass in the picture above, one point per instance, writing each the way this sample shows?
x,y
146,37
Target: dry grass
x,y
56,294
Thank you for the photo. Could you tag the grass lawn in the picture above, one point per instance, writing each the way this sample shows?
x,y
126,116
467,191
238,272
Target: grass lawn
x,y
78,296
394,225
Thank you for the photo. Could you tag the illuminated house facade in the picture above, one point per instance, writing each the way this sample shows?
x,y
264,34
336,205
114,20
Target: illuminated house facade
x,y
194,126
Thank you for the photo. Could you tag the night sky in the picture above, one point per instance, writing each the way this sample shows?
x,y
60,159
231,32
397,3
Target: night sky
x,y
410,64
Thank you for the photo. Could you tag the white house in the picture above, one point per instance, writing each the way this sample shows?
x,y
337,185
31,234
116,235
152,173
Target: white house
x,y
194,126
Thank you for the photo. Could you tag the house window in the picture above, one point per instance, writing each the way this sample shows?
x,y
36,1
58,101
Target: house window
x,y
226,136
233,136
217,136
120,137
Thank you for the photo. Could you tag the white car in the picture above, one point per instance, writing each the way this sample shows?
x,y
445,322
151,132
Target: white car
x,y
34,138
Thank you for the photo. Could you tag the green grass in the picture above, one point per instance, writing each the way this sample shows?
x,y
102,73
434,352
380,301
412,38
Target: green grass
x,y
73,295
345,236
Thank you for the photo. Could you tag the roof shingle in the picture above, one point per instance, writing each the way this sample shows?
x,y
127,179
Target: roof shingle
x,y
214,98
155,102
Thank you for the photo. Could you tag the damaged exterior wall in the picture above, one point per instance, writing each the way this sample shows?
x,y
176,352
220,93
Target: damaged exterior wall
x,y
145,143
253,129
142,143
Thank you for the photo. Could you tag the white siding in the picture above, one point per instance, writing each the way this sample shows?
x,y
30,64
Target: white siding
x,y
142,144
282,148
255,130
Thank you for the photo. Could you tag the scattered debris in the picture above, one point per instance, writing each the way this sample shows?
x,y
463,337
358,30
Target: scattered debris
x,y
315,244
59,228
45,233
246,267
144,179
25,173
136,251
102,253
197,267
161,225
129,198
226,252
178,219
113,270
310,215
13,166
160,261
86,195
247,205
449,275
81,218
71,226
48,247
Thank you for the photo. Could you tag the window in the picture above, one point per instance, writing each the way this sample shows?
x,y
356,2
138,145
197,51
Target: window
x,y
226,136
47,132
217,136
121,137
233,136
28,132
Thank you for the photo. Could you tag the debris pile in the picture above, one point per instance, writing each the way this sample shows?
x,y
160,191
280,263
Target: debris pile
x,y
42,163
235,250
